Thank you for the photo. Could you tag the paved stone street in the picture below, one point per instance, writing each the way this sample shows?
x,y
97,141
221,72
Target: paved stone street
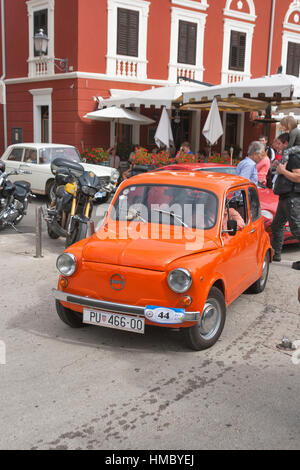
x,y
97,388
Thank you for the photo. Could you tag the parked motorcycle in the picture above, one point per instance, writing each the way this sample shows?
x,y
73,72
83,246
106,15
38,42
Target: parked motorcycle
x,y
14,197
72,195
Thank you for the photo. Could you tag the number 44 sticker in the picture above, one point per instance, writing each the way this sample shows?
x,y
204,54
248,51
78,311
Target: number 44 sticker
x,y
164,315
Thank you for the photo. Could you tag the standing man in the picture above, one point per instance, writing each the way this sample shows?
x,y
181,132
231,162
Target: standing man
x,y
247,167
269,151
288,208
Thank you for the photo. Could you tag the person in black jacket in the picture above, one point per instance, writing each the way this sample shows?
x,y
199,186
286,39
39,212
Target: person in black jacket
x,y
289,204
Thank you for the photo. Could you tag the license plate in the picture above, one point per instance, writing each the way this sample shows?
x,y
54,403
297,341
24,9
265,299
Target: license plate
x,y
114,320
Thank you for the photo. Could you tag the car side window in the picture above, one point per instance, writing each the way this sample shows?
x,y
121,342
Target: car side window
x,y
236,209
30,156
254,202
16,155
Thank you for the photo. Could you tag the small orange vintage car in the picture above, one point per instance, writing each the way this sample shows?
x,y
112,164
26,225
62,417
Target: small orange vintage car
x,y
174,250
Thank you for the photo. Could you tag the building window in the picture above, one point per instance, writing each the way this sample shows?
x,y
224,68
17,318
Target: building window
x,y
237,51
186,44
127,50
293,59
187,41
40,20
290,58
40,15
237,43
128,32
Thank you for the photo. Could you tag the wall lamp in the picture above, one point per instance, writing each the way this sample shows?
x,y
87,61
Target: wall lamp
x,y
41,45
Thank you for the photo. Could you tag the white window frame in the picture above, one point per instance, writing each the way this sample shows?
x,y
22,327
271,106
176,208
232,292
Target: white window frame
x,y
287,36
239,14
45,65
197,5
180,14
41,97
294,8
112,59
229,75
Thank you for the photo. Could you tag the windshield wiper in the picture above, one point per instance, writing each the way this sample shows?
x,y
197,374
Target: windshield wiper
x,y
175,216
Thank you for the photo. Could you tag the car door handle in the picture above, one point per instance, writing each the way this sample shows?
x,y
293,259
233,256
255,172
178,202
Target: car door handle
x,y
253,230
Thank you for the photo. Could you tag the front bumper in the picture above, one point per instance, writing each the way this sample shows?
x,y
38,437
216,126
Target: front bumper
x,y
111,306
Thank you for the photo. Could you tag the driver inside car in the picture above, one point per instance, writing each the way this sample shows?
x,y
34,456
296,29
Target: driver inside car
x,y
233,215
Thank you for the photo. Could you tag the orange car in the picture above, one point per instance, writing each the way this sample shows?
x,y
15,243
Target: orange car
x,y
171,253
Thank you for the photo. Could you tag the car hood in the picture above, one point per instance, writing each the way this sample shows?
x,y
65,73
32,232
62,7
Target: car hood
x,y
268,200
99,170
140,253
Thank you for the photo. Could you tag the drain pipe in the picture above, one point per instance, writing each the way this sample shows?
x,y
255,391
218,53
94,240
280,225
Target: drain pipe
x,y
271,37
3,74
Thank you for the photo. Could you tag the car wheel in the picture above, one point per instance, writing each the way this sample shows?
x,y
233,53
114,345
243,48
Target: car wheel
x,y
71,318
260,284
211,323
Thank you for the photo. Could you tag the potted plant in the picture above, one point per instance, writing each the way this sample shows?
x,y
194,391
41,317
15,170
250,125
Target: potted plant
x,y
96,156
163,158
142,158
186,158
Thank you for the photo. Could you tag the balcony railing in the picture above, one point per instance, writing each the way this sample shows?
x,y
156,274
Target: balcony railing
x,y
126,67
232,77
40,66
183,70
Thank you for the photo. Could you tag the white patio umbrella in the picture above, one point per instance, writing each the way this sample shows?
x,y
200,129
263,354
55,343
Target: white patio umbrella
x,y
213,128
120,115
164,135
272,88
160,96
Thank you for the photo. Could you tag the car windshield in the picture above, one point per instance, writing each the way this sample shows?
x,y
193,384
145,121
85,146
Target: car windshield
x,y
219,169
174,205
48,154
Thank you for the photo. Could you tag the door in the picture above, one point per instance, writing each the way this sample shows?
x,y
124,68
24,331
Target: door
x,y
239,260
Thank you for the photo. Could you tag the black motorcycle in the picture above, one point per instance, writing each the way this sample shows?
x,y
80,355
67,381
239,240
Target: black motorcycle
x,y
71,206
14,198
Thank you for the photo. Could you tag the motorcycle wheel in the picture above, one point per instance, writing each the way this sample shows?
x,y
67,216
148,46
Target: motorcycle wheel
x,y
78,233
51,233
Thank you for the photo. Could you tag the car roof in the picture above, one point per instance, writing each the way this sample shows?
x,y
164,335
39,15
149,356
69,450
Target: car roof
x,y
210,181
39,145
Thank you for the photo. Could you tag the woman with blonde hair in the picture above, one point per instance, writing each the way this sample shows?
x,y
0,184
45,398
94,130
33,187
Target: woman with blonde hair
x,y
290,125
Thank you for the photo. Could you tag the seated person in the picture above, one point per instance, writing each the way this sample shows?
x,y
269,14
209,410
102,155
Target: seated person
x,y
233,215
31,156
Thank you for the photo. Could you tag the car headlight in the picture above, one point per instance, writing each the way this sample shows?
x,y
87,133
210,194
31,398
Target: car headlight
x,y
267,214
114,176
180,280
66,264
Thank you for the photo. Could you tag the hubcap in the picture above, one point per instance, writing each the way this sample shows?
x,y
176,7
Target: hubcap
x,y
210,319
265,272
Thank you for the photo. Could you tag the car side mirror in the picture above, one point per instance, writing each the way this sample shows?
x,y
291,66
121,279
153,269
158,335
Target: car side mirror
x,y
231,227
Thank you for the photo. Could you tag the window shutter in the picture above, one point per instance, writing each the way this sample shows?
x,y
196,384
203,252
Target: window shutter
x,y
128,32
293,59
237,51
187,40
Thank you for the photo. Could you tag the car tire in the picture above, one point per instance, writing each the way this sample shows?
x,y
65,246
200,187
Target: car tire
x,y
207,331
259,285
51,232
71,318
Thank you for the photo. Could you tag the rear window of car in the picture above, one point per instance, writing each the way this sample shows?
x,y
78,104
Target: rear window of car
x,y
170,204
16,154
229,170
